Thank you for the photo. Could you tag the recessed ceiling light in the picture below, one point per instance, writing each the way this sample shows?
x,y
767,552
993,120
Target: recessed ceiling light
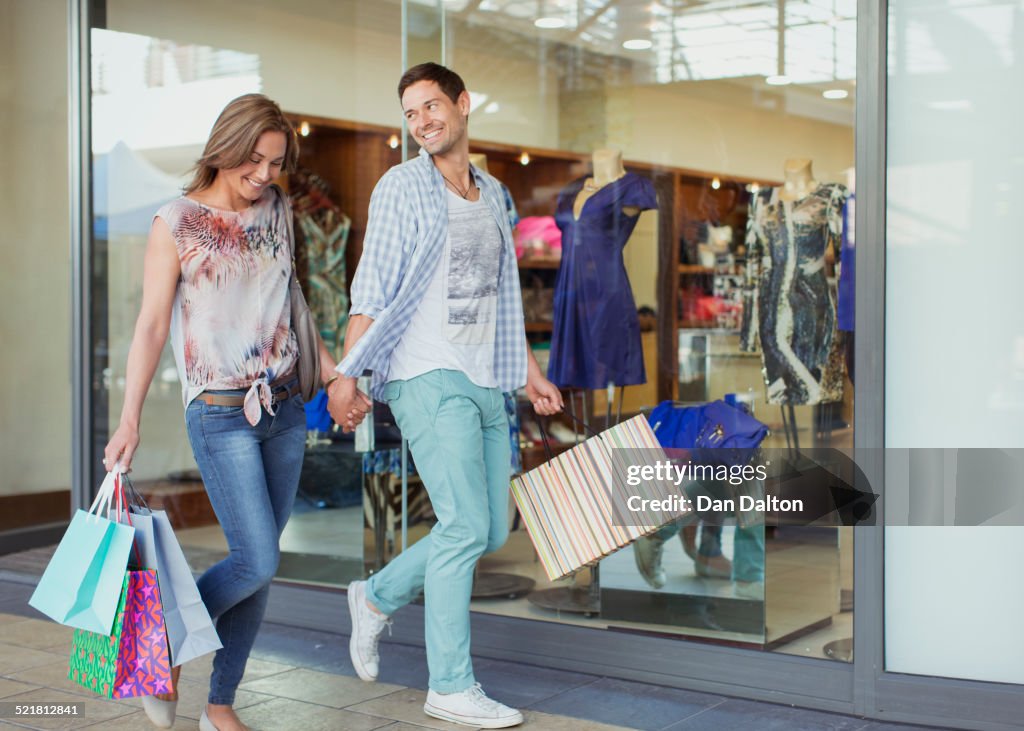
x,y
835,93
549,23
777,80
637,44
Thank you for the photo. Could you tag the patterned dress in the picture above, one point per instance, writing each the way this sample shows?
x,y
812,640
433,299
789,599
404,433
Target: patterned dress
x,y
230,325
789,303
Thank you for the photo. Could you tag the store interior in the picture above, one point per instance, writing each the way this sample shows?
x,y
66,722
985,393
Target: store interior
x,y
737,123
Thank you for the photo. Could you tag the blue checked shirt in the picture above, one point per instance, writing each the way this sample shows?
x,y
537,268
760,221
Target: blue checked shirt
x,y
404,243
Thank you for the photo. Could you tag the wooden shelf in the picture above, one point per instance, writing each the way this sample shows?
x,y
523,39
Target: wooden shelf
x,y
695,269
540,262
539,327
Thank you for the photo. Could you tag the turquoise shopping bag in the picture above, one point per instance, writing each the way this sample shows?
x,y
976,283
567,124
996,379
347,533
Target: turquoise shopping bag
x,y
82,583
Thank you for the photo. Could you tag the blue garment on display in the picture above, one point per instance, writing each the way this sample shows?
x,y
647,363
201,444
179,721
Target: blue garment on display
x,y
716,425
847,271
317,418
596,336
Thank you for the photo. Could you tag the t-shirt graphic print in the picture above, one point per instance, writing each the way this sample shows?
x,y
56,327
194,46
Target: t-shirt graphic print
x,y
473,262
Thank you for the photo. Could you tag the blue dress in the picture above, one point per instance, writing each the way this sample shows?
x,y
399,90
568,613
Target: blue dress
x,y
596,337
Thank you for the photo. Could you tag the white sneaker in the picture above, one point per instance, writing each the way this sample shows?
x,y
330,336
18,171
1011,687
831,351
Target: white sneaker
x,y
366,628
471,707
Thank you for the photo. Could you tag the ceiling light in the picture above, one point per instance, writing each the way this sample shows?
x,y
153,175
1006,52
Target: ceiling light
x,y
716,183
524,158
304,129
777,80
393,142
637,44
550,23
835,93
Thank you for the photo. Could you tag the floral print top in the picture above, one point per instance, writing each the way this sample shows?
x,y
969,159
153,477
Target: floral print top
x,y
230,325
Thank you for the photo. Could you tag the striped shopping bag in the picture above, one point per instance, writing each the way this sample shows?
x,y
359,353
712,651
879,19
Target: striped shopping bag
x,y
567,502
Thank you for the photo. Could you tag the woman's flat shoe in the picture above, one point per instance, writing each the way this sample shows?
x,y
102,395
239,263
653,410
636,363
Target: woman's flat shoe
x,y
161,713
205,724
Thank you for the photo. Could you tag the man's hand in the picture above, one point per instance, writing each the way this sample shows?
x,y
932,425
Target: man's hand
x,y
346,404
544,395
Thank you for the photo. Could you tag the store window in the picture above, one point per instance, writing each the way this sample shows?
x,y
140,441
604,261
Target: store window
x,y
35,301
161,72
954,347
735,120
708,109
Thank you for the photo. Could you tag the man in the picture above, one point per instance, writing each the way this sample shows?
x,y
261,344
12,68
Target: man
x,y
437,316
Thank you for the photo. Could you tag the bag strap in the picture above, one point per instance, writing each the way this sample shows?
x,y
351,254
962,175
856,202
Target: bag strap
x,y
290,217
545,439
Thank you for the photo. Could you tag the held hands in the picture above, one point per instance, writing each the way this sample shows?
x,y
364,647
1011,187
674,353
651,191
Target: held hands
x,y
121,448
347,405
543,394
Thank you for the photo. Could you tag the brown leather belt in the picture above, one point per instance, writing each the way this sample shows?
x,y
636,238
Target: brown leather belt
x,y
281,392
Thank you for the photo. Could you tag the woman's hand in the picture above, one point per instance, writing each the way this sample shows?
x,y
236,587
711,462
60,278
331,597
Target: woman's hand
x,y
346,404
121,448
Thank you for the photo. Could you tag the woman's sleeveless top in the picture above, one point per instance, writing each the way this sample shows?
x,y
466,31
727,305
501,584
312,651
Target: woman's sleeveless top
x,y
230,325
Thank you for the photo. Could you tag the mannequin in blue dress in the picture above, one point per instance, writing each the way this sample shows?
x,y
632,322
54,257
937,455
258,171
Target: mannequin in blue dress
x,y
596,336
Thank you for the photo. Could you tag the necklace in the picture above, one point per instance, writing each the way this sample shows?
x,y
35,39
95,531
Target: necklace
x,y
465,195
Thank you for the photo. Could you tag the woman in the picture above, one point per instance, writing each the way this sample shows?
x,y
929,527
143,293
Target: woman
x,y
219,259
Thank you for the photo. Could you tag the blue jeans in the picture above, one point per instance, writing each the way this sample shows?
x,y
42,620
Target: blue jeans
x,y
458,436
251,475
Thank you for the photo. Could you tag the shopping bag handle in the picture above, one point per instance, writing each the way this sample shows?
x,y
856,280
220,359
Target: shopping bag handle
x,y
122,507
105,495
546,440
133,497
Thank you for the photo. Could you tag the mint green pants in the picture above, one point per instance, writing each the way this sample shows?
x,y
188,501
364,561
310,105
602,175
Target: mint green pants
x,y
458,437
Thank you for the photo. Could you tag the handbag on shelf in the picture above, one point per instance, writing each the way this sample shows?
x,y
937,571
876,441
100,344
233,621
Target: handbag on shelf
x,y
306,331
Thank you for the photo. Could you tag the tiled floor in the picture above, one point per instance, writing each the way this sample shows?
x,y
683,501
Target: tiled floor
x,y
301,679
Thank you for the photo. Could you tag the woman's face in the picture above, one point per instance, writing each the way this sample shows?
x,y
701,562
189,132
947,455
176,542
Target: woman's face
x,y
251,178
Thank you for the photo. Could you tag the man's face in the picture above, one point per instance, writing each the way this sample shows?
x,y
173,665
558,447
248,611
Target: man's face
x,y
435,121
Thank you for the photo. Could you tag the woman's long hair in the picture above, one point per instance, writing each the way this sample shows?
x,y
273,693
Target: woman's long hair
x,y
234,136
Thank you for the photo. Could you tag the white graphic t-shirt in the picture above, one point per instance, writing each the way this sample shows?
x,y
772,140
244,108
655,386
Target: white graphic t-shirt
x,y
455,325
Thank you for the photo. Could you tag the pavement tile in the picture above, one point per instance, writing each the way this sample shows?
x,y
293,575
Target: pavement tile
x,y
199,670
302,647
522,686
738,715
52,675
13,687
14,658
399,664
634,705
96,710
325,689
882,726
138,721
192,699
34,633
407,706
284,713
537,721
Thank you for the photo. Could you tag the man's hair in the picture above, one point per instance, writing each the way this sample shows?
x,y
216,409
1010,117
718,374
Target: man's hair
x,y
450,82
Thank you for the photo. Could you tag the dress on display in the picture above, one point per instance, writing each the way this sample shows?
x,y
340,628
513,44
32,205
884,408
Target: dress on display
x,y
321,232
596,336
789,302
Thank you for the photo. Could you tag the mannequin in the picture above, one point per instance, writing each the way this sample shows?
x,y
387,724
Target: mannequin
x,y
595,340
607,169
789,304
799,179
